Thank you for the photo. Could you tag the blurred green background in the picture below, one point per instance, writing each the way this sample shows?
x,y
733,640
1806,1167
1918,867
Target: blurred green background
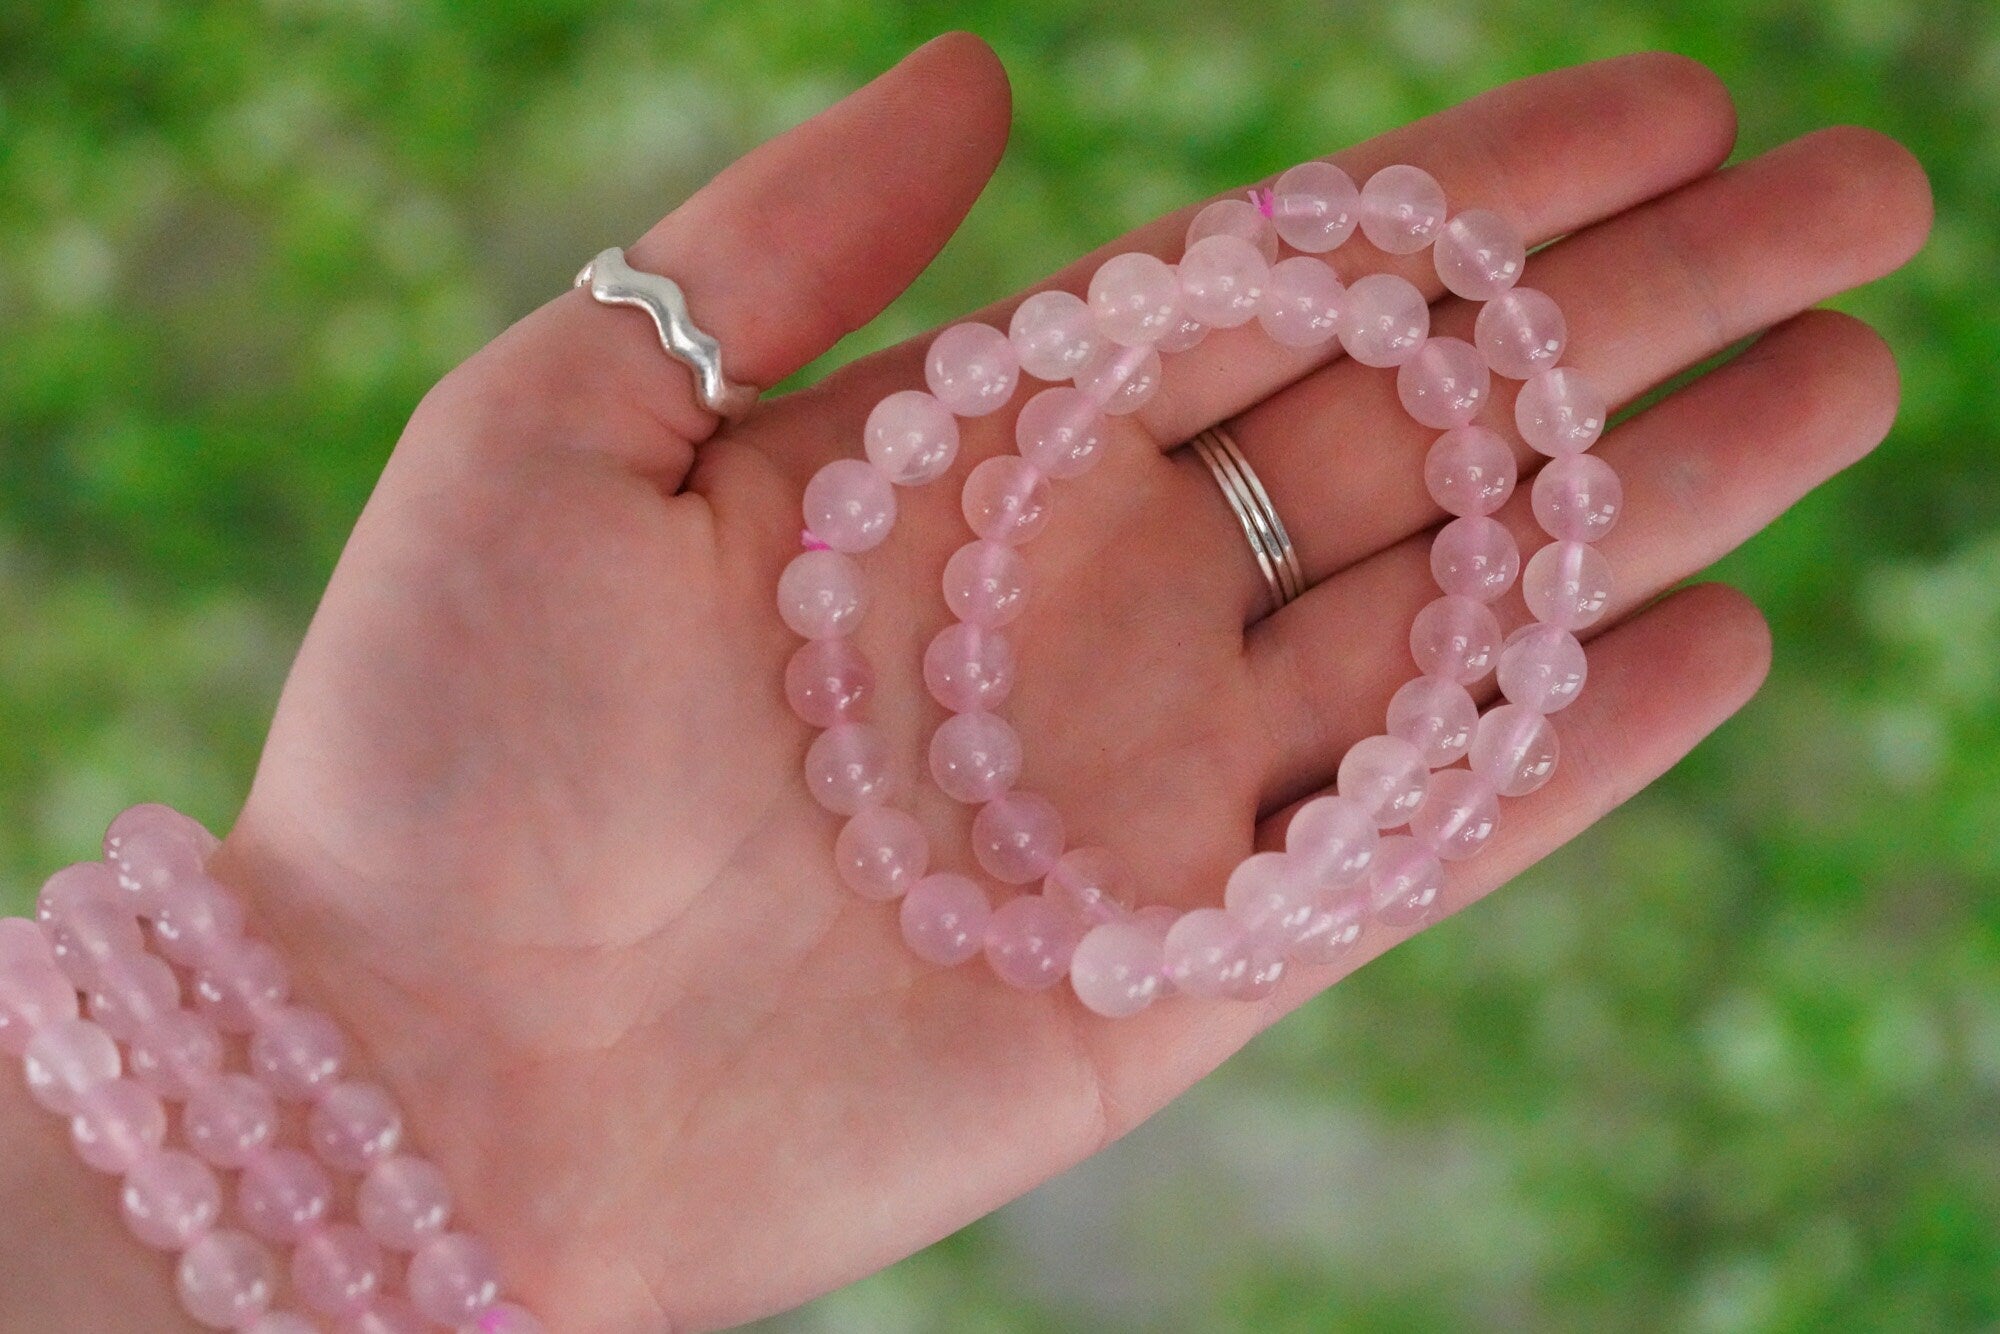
x,y
1731,1063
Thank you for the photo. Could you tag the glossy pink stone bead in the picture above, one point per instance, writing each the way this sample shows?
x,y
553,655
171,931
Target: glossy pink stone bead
x,y
228,1120
1007,499
1402,209
1222,281
154,854
283,1194
1445,383
353,1124
1332,840
117,1124
849,505
969,667
1233,217
821,595
240,981
1053,335
84,880
1091,885
389,1315
403,1201
1209,954
129,991
1383,320
986,583
226,1279
1406,883
1577,498
1060,431
1186,332
1470,470
972,369
193,917
1436,715
453,1278
1567,584
1479,254
1385,776
828,681
1017,837
849,767
1302,301
1029,941
88,930
1315,207
33,991
1134,298
1559,411
153,818
1519,332
65,1059
1116,969
175,1054
1475,557
1273,896
1456,638
1458,815
169,1198
1514,750
880,852
943,918
296,1052
1120,380
506,1318
974,757
1335,924
1541,668
910,437
338,1269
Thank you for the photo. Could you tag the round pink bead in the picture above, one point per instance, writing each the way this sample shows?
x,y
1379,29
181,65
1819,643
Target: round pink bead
x,y
881,852
1456,638
117,1124
1436,715
283,1194
389,1315
1208,953
1567,584
821,595
1475,557
281,1322
1479,254
131,990
1060,431
943,918
226,1279
1017,837
1234,217
33,991
849,767
1336,922
1052,334
175,1053
1577,498
1302,301
849,505
975,757
506,1318
969,667
1006,499
240,981
1559,411
1029,941
910,437
194,917
1402,209
1519,332
1383,320
1385,776
1470,470
153,818
169,1198
1119,379
827,681
972,369
88,930
229,1119
1514,750
65,1059
153,856
338,1269
84,880
1315,207
1406,883
1459,814
1332,839
986,583
1090,884
1116,969
1445,384
296,1052
1541,668
1273,896
1186,332
1134,298
1222,281
402,1201
354,1124
453,1278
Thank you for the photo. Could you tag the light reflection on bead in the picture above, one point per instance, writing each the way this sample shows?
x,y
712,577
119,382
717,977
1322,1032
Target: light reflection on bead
x,y
1542,668
849,505
943,918
880,852
1514,750
1120,380
296,1052
192,917
175,1053
1332,839
1436,715
1385,777
1458,815
1315,206
452,1278
1470,470
169,1198
827,681
1383,320
1007,499
353,1124
226,1279
1222,281
1273,896
1116,969
241,980
1456,638
1207,953
1567,584
283,1194
1406,883
1029,941
1017,837
1479,254
1402,209
338,1269
402,1201
1052,334
821,595
971,368
910,437
1577,498
1444,383
1134,297
117,1124
969,667
1519,332
1559,411
1091,884
65,1059
1234,217
33,991
1475,557
229,1119
986,584
1302,302
1060,431
848,766
1335,924
974,757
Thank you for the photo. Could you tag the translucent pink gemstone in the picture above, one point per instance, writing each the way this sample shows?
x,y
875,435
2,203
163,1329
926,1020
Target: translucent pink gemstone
x,y
1315,206
1459,814
175,1053
1475,557
1567,584
131,990
1222,281
1121,379
389,1315
910,437
338,1269
849,766
1186,332
1519,332
944,918
1302,301
1456,638
1383,320
169,1198
402,1201
153,818
1052,334
969,667
1479,254
1470,470
849,505
1029,941
87,930
1272,895
828,681
1385,776
1332,839
1406,884
1445,383
972,369
881,852
986,583
506,1318
226,1279
1402,209
1234,217
193,917
1514,750
281,1322
1542,668
1060,431
453,1278
1577,498
65,1059
1208,953
821,595
117,1124
1116,969
1007,499
229,1119
33,991
156,854
975,757
353,1124
1559,411
1338,916
241,980
296,1052
283,1194
1436,715
1017,836
1134,298
1090,884
84,880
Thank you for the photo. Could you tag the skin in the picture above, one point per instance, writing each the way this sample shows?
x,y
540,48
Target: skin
x,y
529,820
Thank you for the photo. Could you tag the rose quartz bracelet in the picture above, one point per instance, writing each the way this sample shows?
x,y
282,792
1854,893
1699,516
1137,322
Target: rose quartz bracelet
x,y
113,1064
1438,769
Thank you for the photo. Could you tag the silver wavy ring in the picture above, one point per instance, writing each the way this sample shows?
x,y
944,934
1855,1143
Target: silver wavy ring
x,y
1277,560
613,282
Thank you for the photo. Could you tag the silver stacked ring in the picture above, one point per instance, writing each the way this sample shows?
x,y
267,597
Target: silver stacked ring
x,y
1277,560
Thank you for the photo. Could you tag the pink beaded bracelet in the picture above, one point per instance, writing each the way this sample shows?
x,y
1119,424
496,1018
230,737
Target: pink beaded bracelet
x,y
93,924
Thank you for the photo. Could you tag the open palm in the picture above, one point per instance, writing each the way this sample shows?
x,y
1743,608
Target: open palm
x,y
530,817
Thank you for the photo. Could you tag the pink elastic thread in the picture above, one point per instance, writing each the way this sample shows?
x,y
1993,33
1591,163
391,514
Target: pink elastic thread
x,y
1265,200
811,543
